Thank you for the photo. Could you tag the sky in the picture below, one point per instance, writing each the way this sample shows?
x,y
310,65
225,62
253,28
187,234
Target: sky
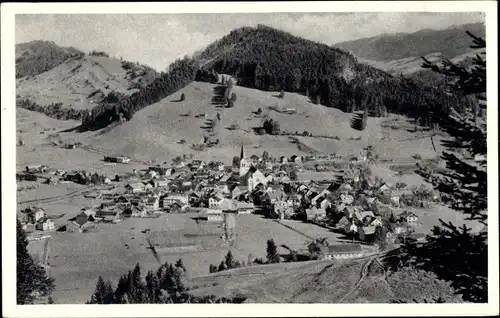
x,y
158,39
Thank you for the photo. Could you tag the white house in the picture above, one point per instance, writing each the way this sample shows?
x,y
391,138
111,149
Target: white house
x,y
168,201
152,204
214,202
135,187
45,225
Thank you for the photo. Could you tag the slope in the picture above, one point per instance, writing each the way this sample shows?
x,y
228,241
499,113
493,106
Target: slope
x,y
78,81
323,282
269,59
154,132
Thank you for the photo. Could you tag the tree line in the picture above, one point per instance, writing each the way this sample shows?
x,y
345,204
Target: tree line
x,y
179,74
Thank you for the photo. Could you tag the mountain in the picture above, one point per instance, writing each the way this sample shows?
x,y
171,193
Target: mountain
x,y
450,42
48,74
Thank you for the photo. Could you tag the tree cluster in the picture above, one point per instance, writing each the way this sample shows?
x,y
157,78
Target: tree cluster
x,y
32,280
165,286
54,110
271,127
180,73
227,263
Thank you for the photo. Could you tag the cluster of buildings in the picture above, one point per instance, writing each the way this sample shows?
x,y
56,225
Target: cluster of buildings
x,y
35,219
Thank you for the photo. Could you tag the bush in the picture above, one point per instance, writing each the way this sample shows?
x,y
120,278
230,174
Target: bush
x,y
282,94
183,97
233,97
271,127
230,103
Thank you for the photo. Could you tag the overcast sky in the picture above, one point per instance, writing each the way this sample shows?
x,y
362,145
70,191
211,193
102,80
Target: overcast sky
x,y
157,40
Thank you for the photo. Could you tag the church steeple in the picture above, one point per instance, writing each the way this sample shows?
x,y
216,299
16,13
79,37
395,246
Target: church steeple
x,y
242,154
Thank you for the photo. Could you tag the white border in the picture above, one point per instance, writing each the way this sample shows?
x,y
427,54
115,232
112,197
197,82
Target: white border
x,y
8,10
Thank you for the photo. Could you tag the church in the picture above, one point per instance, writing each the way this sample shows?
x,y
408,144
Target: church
x,y
250,176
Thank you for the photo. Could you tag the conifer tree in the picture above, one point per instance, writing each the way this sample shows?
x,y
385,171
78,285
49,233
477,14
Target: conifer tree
x,y
272,252
229,260
31,277
455,253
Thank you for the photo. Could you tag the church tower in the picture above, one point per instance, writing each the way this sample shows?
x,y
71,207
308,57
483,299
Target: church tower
x,y
244,163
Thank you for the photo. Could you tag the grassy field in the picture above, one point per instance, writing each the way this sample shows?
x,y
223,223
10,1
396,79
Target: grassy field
x,y
78,259
154,132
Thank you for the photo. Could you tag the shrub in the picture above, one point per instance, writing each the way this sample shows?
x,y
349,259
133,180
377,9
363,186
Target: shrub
x,y
183,97
271,127
282,94
233,97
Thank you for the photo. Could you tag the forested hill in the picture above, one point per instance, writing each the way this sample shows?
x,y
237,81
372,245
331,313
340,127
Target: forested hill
x,y
270,59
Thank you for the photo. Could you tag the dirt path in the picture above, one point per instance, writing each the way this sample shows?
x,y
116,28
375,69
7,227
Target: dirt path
x,y
364,272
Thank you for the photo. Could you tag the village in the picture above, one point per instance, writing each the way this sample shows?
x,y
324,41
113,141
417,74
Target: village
x,y
367,213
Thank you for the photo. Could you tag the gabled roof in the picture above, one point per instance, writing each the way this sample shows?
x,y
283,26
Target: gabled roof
x,y
369,230
407,214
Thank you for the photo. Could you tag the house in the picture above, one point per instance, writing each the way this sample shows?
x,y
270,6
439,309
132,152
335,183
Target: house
x,y
343,224
296,159
366,233
170,200
344,251
225,190
331,252
346,199
238,191
362,216
254,158
136,187
122,159
270,177
45,224
324,203
161,183
152,204
151,174
410,218
315,213
215,201
281,208
376,222
322,194
194,197
350,211
135,211
34,214
187,184
224,179
79,223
